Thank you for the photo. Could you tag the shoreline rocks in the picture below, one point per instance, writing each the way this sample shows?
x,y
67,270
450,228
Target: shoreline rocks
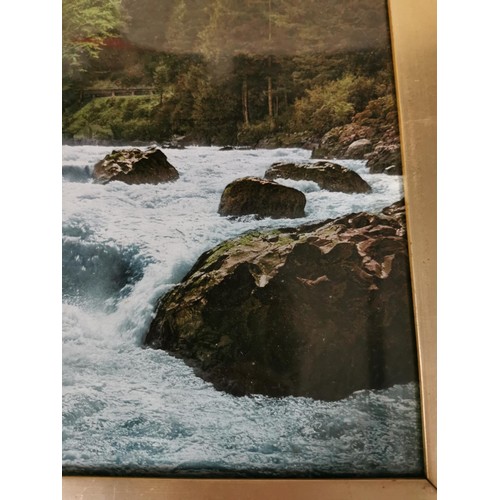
x,y
326,174
386,158
318,311
372,135
134,166
253,195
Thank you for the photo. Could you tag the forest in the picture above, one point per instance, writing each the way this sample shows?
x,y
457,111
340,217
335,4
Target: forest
x,y
223,72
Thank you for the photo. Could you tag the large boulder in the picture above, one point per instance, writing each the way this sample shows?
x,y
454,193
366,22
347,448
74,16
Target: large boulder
x,y
318,311
134,166
385,159
252,195
326,174
358,149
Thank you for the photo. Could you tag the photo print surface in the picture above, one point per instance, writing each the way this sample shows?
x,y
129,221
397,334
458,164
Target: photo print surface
x,y
236,288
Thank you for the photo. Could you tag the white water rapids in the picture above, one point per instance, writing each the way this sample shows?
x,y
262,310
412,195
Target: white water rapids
x,y
127,409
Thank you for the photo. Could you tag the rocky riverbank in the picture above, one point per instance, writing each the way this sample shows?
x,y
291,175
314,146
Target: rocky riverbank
x,y
372,135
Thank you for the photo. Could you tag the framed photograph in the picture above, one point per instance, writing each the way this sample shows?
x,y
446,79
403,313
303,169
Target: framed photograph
x,y
249,249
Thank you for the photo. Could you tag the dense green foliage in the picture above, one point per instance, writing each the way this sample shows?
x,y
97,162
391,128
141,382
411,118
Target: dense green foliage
x,y
221,71
126,118
85,26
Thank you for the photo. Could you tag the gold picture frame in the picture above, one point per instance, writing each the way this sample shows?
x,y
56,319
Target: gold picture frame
x,y
413,29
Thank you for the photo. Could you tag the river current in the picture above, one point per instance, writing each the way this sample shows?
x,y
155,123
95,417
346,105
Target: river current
x,y
131,410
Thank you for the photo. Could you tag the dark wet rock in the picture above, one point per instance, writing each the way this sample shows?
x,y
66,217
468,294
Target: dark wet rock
x,y
288,140
226,148
319,311
393,170
327,175
252,195
134,166
385,159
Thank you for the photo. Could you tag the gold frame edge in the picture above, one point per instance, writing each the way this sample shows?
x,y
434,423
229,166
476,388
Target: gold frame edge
x,y
413,30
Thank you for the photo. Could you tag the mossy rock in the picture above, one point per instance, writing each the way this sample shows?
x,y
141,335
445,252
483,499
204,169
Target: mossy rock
x,y
319,311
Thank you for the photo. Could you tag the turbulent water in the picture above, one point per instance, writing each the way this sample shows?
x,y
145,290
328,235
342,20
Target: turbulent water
x,y
127,409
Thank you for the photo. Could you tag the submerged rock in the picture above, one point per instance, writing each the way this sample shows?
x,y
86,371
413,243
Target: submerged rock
x,y
326,174
173,145
252,195
134,166
319,311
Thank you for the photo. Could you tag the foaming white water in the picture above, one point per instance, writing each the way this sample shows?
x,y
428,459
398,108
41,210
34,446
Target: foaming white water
x,y
129,409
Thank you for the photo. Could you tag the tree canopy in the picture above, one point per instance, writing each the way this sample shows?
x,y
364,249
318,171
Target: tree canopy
x,y
86,24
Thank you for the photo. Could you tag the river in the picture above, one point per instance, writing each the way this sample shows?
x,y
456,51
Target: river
x,y
131,410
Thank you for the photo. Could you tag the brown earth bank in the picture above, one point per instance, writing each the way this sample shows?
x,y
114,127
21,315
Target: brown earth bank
x,y
134,166
319,311
326,174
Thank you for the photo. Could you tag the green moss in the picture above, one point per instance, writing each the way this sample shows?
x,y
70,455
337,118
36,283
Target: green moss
x,y
247,240
228,245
